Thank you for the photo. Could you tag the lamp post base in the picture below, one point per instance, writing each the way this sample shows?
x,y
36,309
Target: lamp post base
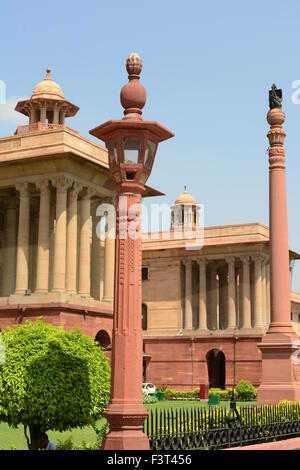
x,y
126,428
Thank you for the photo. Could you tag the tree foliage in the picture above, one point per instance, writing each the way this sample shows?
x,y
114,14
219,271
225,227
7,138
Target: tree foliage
x,y
51,378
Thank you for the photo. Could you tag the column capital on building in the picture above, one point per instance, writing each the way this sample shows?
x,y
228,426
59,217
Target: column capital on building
x,y
22,188
88,193
257,257
11,202
61,183
230,260
75,189
245,259
187,261
201,261
43,185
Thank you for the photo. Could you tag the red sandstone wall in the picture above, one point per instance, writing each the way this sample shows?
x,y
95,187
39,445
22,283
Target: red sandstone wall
x,y
181,363
69,317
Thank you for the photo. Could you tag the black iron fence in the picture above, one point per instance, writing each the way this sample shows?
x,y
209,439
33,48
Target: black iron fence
x,y
217,428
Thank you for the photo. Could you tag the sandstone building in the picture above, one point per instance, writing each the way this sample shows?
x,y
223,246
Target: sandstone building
x,y
203,312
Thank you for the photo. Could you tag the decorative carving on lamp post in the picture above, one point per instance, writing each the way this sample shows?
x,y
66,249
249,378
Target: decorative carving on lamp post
x,y
279,374
132,145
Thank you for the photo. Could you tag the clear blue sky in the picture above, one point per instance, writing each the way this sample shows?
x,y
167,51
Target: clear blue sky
x,y
208,67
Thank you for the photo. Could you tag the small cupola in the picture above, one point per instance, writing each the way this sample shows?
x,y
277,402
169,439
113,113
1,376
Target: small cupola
x,y
184,212
47,105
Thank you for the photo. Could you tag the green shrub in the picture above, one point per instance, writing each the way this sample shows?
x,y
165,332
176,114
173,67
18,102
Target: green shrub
x,y
245,391
161,388
183,395
149,399
68,444
225,395
51,379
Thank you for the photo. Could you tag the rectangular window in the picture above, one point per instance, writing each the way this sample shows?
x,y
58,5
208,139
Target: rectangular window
x,y
144,274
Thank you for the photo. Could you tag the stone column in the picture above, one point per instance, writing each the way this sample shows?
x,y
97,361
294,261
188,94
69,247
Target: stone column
x,y
231,293
268,292
85,244
43,114
56,114
188,295
258,306
59,266
246,292
202,295
23,239
10,242
223,295
52,238
42,277
213,298
109,268
72,224
96,254
280,368
264,291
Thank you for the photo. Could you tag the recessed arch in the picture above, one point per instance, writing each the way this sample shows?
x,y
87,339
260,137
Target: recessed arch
x,y
216,368
103,338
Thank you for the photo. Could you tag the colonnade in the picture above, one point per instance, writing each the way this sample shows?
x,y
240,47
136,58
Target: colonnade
x,y
69,257
232,293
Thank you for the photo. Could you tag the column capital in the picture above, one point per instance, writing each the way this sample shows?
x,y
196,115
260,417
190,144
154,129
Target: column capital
x,y
245,259
75,189
257,257
23,189
61,183
11,203
201,261
88,193
187,262
230,260
43,185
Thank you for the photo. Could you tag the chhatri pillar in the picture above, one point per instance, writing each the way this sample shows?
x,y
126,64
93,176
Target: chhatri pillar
x,y
132,144
279,365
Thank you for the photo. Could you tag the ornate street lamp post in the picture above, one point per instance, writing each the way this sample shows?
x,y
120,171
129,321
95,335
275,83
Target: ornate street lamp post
x,y
132,145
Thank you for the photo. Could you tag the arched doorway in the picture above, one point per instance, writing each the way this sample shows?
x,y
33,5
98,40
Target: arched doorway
x,y
216,368
102,337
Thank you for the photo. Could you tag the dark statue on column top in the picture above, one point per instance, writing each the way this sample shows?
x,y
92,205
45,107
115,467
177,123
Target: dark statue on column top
x,y
275,97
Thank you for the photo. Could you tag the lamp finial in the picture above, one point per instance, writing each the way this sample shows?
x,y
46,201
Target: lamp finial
x,y
133,94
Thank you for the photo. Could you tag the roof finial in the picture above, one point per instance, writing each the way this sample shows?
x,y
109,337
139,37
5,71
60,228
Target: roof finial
x,y
185,189
48,70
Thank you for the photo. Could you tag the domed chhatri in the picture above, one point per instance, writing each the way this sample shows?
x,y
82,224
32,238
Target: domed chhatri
x,y
185,198
133,94
47,89
47,106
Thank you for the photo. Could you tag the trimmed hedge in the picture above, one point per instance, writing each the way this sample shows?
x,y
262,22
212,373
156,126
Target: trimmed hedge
x,y
184,395
244,391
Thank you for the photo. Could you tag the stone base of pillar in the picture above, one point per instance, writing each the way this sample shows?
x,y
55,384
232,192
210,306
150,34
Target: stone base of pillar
x,y
280,366
126,424
268,394
108,300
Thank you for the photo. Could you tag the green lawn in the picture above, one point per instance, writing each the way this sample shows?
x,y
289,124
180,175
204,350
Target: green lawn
x,y
10,436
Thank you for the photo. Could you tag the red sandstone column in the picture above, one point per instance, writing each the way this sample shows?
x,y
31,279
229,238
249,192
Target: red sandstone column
x,y
23,239
202,295
278,367
231,293
188,295
42,278
126,412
